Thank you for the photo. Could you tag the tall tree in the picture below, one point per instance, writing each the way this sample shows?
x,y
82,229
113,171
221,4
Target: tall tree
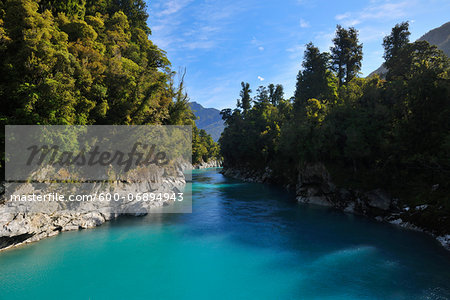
x,y
262,95
393,44
346,54
314,80
277,95
271,91
245,101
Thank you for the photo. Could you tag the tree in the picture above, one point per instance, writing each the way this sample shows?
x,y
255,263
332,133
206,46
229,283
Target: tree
x,y
314,80
392,134
271,91
346,54
393,45
262,96
398,38
135,10
245,101
276,93
80,62
73,8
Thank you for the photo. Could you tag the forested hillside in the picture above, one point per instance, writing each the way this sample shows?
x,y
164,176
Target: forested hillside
x,y
391,133
440,37
87,62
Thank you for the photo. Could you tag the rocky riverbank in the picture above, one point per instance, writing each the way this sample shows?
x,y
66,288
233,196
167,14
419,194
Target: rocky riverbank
x,y
19,227
209,164
314,186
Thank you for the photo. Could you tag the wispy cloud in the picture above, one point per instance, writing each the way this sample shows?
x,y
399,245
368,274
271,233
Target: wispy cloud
x,y
342,16
173,6
379,10
260,78
304,23
296,51
170,29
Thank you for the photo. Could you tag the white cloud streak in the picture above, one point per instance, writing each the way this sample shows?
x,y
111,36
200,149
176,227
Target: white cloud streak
x,y
376,11
304,23
173,6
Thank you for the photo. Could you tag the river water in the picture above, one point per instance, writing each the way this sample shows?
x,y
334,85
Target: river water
x,y
242,241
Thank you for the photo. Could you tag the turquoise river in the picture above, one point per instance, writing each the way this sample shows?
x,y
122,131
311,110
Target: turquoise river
x,y
242,241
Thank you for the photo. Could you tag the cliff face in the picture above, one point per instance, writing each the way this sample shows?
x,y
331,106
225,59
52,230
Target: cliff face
x,y
314,185
18,226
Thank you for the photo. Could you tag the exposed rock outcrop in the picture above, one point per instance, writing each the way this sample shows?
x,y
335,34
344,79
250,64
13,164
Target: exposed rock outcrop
x,y
314,186
18,226
209,164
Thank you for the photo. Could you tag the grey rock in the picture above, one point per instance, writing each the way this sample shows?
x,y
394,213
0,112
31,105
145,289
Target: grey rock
x,y
18,226
379,199
350,208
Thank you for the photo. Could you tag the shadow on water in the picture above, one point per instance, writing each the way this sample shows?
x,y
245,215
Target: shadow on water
x,y
329,245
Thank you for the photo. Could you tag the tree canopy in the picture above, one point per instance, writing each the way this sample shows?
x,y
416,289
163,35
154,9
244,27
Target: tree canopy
x,y
369,132
85,62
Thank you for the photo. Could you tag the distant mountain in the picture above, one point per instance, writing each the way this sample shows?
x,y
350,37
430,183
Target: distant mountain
x,y
439,36
209,119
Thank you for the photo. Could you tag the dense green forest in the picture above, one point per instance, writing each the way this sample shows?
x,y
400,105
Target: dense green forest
x,y
391,133
88,62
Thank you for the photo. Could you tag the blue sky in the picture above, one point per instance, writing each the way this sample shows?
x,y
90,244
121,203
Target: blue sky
x,y
221,43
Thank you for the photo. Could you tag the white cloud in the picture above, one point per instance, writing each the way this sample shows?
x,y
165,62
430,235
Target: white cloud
x,y
205,44
260,78
296,51
304,23
383,10
255,41
174,29
342,16
173,6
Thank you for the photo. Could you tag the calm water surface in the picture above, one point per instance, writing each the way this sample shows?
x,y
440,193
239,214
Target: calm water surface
x,y
242,241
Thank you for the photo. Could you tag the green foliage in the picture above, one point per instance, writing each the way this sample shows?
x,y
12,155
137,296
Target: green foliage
x,y
371,133
245,101
85,62
394,43
346,54
203,147
315,80
253,136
